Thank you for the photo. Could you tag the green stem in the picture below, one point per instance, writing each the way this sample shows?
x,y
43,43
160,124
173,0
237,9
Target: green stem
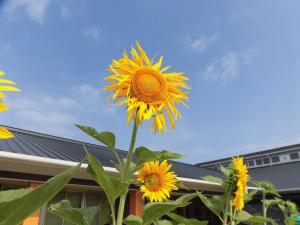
x,y
113,215
121,209
126,173
131,147
264,206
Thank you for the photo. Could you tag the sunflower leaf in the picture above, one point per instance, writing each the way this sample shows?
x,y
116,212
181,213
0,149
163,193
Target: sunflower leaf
x,y
79,216
143,154
112,186
133,220
106,137
155,210
186,221
15,208
213,179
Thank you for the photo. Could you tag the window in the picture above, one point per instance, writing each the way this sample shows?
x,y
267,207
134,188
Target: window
x,y
275,159
266,160
250,163
294,155
258,162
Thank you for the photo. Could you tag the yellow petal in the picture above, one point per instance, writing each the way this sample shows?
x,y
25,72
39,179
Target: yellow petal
x,y
2,95
1,73
4,81
9,88
5,134
3,107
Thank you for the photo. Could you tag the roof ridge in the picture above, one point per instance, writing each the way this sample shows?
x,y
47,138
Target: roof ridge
x,y
21,130
269,151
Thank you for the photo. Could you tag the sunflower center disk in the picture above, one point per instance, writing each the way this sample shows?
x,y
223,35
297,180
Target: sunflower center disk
x,y
152,182
149,86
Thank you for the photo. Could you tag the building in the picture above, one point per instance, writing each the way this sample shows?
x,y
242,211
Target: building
x,y
31,158
280,166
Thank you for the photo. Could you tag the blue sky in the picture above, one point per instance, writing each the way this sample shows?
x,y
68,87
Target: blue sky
x,y
242,58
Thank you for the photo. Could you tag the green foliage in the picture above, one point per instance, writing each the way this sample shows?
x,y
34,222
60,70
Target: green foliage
x,y
215,203
266,187
163,222
154,210
133,220
213,179
16,205
78,216
104,211
106,137
186,221
143,154
112,186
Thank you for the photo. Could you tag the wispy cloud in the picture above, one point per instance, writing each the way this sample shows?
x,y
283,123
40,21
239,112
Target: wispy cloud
x,y
227,67
93,33
55,114
199,44
34,9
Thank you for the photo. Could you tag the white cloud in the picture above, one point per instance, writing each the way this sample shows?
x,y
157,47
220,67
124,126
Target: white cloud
x,y
34,9
92,32
200,44
227,67
54,114
223,69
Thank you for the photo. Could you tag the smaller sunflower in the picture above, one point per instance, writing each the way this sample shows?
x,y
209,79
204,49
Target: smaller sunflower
x,y
242,177
157,181
5,85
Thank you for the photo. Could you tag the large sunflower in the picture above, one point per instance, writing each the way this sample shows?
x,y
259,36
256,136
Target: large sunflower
x,y
147,89
157,181
5,85
241,174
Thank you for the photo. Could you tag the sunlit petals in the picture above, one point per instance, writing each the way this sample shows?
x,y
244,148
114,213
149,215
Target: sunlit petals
x,y
147,91
5,134
157,181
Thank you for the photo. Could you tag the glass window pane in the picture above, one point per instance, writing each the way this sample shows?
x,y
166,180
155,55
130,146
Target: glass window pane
x,y
266,160
51,219
294,155
93,199
75,200
275,159
258,162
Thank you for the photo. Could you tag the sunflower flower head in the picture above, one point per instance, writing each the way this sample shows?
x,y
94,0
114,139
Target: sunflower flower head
x,y
5,85
157,181
242,177
147,89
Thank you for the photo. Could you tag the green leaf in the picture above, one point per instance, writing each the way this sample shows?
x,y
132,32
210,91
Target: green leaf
x,y
249,196
104,211
79,216
213,179
112,186
133,220
10,195
243,215
155,210
13,210
143,154
106,137
227,172
215,203
163,222
258,220
186,221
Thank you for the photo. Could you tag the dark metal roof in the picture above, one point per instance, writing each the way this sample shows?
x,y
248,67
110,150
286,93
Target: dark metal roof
x,y
43,145
268,152
283,176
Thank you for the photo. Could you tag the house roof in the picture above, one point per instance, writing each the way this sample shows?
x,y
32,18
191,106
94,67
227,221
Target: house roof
x,y
285,176
48,146
258,154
